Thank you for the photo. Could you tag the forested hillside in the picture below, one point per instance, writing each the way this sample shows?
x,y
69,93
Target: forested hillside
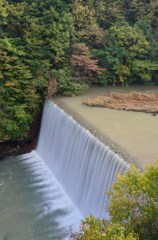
x,y
64,46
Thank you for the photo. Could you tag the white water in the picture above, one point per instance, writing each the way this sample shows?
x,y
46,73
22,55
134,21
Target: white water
x,y
41,201
83,166
33,205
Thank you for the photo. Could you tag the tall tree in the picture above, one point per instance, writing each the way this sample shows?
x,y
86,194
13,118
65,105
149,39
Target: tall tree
x,y
126,55
35,38
84,65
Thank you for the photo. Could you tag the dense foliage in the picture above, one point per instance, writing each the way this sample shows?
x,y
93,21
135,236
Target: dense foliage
x,y
63,46
133,208
35,36
97,229
126,56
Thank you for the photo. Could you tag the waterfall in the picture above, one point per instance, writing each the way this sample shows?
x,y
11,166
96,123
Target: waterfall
x,y
83,166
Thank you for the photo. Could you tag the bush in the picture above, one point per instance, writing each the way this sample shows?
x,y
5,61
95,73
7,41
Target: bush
x,y
126,56
66,85
74,89
99,229
133,208
35,38
19,97
134,202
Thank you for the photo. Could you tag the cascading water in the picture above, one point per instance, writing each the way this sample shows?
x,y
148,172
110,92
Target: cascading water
x,y
83,166
33,205
47,192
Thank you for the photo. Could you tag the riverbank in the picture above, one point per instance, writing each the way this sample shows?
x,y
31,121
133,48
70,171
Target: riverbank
x,y
132,135
18,147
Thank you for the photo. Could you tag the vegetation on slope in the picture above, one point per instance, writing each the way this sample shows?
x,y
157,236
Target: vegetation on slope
x,y
63,46
35,36
133,207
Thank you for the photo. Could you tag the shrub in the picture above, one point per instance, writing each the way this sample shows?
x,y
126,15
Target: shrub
x,y
74,89
134,202
126,56
133,207
100,229
66,85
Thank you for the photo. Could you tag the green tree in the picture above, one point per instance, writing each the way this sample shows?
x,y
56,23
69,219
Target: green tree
x,y
126,56
35,39
18,96
110,12
100,229
133,209
83,15
84,20
134,202
63,83
135,10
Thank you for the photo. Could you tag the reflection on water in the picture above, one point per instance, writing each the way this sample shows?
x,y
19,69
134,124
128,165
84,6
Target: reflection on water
x,y
33,206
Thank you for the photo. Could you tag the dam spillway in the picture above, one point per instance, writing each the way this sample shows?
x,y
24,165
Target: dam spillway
x,y
83,166
46,193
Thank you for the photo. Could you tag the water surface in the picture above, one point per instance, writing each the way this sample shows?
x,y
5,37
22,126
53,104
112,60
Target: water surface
x,y
136,132
33,206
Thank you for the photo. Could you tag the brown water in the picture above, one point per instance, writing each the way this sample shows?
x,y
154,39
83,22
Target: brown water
x,y
135,132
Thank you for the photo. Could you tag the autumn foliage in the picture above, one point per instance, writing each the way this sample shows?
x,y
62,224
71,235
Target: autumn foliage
x,y
83,63
132,101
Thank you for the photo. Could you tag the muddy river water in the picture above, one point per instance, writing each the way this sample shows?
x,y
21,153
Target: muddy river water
x,y
33,205
135,132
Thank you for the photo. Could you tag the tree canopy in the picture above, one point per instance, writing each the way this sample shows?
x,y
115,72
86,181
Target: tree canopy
x,y
35,36
133,209
40,55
